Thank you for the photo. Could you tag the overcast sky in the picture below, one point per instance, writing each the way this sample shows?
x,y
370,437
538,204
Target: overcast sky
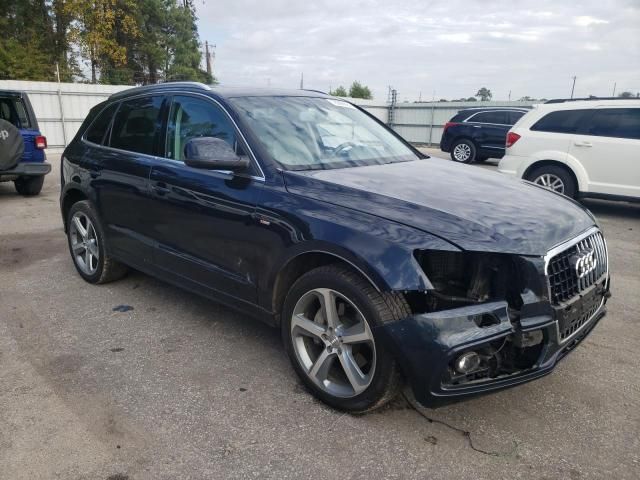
x,y
531,47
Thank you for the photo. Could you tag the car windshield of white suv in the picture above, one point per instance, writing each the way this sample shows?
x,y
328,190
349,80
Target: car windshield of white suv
x,y
308,133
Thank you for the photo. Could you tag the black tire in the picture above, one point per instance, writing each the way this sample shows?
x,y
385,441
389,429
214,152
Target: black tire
x,y
463,145
570,188
29,186
376,308
108,269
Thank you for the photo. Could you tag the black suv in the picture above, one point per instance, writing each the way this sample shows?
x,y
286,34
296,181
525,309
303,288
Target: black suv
x,y
307,212
475,134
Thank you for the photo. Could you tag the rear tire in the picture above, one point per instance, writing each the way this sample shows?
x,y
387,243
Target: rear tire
x,y
463,151
29,186
554,178
354,374
88,247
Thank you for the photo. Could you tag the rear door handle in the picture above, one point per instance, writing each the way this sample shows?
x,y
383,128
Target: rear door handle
x,y
583,144
160,188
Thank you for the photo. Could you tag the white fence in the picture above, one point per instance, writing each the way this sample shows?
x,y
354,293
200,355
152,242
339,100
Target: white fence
x,y
61,108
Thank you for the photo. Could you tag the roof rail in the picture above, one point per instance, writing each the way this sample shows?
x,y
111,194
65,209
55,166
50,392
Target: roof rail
x,y
312,90
159,86
563,100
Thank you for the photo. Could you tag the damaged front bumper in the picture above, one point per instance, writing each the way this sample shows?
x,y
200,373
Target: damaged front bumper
x,y
511,352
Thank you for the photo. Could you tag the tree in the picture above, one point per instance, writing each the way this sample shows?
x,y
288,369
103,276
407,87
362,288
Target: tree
x,y
471,99
526,99
339,92
484,93
626,95
358,90
443,100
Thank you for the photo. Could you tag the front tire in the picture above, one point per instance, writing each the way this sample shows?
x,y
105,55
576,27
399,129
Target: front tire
x,y
87,245
328,324
29,186
554,178
463,151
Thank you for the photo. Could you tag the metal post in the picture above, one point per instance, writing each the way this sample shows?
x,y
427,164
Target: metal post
x,y
64,129
433,111
573,86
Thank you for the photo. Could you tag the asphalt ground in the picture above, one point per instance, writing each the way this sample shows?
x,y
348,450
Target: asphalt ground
x,y
181,387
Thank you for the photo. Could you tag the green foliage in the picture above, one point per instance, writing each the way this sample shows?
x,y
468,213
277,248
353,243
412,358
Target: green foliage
x,y
122,41
339,92
360,91
484,93
627,95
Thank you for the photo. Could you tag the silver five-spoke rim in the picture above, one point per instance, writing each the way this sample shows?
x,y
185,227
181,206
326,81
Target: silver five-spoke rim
x,y
462,152
333,342
550,181
84,243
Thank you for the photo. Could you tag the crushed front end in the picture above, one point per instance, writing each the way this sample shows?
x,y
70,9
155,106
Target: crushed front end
x,y
492,321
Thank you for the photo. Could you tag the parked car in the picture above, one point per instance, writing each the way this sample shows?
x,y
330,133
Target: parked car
x,y
587,148
22,157
366,254
475,134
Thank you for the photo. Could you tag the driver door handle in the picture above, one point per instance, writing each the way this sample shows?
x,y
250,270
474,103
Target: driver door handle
x,y
583,144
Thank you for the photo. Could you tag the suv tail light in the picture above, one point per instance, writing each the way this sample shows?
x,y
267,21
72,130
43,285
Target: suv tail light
x,y
41,142
449,124
512,138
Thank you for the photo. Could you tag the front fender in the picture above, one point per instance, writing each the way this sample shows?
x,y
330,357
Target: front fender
x,y
380,249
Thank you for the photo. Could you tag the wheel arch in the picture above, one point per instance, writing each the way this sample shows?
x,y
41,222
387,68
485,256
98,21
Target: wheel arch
x,y
71,196
304,262
554,163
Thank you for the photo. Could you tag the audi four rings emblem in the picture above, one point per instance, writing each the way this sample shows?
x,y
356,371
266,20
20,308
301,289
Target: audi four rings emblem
x,y
584,262
4,134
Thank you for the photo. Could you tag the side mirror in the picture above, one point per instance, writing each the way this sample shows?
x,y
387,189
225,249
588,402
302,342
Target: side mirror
x,y
213,153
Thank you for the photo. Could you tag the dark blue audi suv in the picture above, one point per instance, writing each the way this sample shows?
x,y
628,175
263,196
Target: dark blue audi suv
x,y
305,211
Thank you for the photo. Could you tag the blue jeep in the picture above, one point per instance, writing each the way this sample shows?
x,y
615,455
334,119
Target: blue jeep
x,y
22,157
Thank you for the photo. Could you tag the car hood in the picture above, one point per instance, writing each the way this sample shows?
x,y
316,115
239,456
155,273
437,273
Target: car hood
x,y
473,208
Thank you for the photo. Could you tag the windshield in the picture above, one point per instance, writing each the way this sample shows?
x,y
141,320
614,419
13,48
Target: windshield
x,y
306,133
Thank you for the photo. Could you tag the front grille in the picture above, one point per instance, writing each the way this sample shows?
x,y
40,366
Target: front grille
x,y
576,268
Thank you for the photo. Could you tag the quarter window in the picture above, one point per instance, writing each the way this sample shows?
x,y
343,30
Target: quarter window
x,y
562,121
100,125
513,117
615,122
192,117
136,127
490,117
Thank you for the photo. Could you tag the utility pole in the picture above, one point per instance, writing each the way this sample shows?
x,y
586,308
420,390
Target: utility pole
x,y
208,57
509,95
302,81
573,86
614,89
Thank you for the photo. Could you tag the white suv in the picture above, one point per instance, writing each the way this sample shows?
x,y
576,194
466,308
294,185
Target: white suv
x,y
588,148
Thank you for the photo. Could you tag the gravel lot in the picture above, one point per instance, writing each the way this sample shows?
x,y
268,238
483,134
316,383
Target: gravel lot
x,y
180,387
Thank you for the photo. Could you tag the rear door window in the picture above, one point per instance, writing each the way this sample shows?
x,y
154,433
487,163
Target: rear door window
x,y
499,118
100,125
137,125
614,122
562,121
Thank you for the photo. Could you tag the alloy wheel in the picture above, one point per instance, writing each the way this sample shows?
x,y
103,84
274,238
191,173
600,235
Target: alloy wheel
x,y
333,343
84,243
550,181
462,152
